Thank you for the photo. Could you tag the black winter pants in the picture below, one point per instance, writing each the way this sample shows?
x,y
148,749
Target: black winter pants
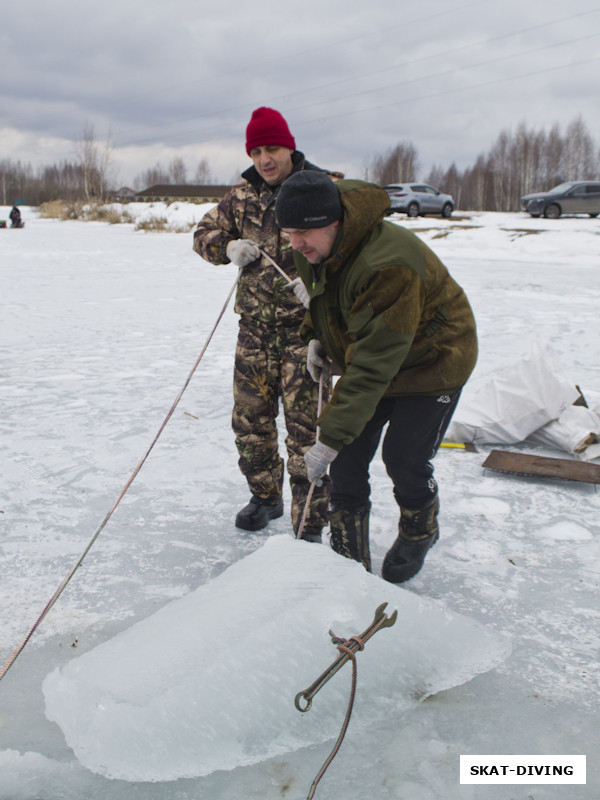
x,y
416,426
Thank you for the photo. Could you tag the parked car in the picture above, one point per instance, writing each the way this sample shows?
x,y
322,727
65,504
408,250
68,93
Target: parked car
x,y
575,197
418,199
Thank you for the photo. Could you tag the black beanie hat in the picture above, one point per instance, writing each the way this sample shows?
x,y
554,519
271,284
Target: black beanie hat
x,y
308,199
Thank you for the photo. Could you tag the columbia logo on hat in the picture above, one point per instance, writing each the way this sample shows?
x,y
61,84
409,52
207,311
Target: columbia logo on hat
x,y
308,199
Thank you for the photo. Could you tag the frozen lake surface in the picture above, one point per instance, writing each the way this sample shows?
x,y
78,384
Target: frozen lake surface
x,y
100,327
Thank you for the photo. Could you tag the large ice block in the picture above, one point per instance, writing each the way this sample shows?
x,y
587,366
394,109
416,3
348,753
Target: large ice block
x,y
208,682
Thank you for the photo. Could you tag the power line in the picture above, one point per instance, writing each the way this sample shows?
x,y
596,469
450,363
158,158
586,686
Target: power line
x,y
455,50
195,118
445,73
316,49
202,136
453,91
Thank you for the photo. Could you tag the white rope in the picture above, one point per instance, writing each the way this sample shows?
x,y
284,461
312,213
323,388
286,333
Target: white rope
x,y
19,649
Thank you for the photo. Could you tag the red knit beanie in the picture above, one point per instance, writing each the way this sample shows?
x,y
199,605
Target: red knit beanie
x,y
267,126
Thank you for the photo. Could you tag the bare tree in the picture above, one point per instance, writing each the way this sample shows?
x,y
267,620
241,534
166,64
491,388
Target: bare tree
x,y
178,171
476,182
449,181
105,167
86,153
155,176
399,164
580,156
503,168
453,185
436,176
203,175
6,179
94,162
552,169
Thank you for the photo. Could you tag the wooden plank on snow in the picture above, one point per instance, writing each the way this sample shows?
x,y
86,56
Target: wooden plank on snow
x,y
533,466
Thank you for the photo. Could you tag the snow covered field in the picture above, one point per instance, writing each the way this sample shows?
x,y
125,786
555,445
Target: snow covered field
x,y
99,329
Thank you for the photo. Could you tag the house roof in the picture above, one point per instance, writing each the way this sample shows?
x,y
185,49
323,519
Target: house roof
x,y
184,191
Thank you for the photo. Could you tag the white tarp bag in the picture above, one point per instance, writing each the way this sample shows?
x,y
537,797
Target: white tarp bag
x,y
577,431
513,403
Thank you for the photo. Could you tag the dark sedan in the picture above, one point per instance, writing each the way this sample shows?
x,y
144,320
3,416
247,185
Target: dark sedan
x,y
575,197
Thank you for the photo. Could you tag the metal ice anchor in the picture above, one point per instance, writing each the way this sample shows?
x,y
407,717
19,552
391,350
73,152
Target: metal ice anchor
x,y
348,648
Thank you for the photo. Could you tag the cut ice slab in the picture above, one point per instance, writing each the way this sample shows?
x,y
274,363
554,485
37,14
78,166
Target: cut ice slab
x,y
208,682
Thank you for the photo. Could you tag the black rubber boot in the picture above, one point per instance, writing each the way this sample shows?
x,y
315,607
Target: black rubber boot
x,y
257,514
418,532
350,533
312,535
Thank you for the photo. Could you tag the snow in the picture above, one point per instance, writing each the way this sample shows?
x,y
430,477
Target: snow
x,y
99,329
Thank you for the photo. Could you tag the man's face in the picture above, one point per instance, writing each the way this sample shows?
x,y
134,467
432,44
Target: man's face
x,y
273,163
315,244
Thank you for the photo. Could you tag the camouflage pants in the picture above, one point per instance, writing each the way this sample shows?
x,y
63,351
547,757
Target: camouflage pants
x,y
270,363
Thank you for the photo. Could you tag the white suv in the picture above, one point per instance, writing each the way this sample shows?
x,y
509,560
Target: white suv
x,y
418,199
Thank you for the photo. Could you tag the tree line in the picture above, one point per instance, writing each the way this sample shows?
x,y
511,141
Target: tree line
x,y
518,162
83,180
89,177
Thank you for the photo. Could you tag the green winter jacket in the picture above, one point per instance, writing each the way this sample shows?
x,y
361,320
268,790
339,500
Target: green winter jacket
x,y
387,312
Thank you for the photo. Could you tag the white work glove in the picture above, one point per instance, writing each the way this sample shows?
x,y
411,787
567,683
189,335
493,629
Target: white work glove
x,y
317,460
315,360
300,291
242,252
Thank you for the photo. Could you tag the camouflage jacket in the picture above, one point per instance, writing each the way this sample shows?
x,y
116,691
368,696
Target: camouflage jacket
x,y
387,312
248,212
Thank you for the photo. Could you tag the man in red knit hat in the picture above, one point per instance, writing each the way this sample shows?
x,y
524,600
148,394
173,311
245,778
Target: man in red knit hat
x,y
270,359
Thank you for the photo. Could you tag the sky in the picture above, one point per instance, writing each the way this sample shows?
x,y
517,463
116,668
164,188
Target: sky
x,y
160,81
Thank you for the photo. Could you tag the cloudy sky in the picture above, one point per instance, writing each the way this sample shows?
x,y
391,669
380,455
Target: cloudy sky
x,y
180,79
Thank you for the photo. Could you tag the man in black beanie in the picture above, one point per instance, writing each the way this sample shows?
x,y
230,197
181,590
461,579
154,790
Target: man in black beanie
x,y
386,311
308,202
